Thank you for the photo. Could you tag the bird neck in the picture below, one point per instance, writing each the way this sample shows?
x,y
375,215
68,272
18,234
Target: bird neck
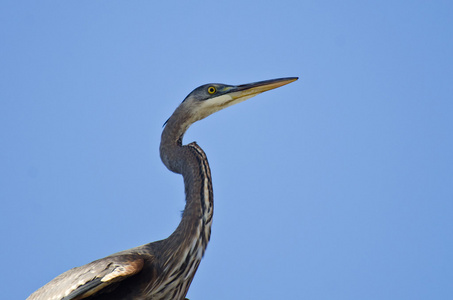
x,y
193,233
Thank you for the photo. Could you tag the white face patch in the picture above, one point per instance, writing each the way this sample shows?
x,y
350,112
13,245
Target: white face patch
x,y
218,101
212,105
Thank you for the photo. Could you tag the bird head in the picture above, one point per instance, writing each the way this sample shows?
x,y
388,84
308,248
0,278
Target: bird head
x,y
210,98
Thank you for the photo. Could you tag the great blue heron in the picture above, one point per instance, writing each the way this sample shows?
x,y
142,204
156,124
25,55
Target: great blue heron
x,y
163,269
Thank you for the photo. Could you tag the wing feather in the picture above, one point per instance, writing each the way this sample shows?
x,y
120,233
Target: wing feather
x,y
81,282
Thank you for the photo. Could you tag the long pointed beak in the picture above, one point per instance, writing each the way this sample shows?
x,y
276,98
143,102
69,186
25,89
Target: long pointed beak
x,y
246,91
236,94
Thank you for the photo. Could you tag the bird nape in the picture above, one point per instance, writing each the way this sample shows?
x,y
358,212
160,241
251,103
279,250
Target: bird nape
x,y
164,269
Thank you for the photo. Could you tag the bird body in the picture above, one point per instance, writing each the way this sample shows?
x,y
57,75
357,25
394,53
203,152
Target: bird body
x,y
163,269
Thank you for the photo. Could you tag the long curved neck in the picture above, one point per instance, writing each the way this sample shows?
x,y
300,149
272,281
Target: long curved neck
x,y
194,230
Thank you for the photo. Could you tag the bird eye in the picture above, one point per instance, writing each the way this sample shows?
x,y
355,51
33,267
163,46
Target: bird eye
x,y
211,90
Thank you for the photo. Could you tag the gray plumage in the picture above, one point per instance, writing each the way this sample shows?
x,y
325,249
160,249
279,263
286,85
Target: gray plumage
x,y
163,269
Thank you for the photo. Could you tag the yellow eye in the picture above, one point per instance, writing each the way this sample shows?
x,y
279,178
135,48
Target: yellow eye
x,y
211,90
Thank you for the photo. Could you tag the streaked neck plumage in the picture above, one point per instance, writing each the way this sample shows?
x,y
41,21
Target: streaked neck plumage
x,y
193,233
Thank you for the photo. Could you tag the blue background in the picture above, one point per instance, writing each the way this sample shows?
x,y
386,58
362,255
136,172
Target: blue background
x,y
337,186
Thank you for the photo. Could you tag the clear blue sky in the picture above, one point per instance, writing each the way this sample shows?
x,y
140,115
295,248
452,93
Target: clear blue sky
x,y
337,186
